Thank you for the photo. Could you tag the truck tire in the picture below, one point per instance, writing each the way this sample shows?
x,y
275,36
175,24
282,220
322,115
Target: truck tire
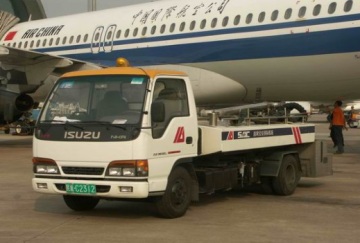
x,y
80,203
289,175
176,200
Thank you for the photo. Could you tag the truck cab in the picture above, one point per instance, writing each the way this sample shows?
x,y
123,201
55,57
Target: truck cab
x,y
95,135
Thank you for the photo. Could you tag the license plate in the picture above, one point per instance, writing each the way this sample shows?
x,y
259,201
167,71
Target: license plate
x,y
80,188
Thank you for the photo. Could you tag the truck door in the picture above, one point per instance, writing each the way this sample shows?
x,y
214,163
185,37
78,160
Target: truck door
x,y
174,129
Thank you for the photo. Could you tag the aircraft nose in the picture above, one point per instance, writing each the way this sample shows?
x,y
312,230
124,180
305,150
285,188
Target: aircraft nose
x,y
215,89
211,88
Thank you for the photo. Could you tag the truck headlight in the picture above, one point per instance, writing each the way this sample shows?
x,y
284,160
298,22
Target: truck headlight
x,y
128,168
115,171
45,166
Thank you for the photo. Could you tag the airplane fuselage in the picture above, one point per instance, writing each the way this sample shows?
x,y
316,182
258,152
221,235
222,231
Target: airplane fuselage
x,y
260,49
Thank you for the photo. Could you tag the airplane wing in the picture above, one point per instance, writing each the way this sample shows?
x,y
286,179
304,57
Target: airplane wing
x,y
24,71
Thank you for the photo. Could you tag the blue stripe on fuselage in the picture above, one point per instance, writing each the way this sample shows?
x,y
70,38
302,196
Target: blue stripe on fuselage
x,y
311,43
317,43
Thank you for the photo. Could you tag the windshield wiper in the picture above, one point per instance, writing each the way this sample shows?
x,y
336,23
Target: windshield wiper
x,y
104,123
62,122
72,125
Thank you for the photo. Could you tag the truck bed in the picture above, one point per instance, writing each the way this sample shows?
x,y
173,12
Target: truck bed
x,y
237,138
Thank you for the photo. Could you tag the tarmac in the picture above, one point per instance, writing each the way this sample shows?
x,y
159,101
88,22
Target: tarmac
x,y
325,209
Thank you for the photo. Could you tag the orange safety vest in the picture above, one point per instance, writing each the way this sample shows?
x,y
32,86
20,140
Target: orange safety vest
x,y
338,117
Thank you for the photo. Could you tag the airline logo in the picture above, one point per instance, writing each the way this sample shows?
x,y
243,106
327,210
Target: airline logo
x,y
10,36
41,32
180,135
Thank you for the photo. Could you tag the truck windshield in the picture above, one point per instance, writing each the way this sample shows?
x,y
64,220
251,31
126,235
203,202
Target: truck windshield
x,y
115,99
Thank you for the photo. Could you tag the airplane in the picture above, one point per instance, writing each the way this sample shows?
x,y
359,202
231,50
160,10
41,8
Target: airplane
x,y
235,51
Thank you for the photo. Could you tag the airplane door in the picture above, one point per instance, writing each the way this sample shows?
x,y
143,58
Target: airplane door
x,y
109,38
96,40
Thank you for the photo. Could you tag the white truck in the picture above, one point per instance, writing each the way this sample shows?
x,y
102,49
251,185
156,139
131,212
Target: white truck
x,y
130,133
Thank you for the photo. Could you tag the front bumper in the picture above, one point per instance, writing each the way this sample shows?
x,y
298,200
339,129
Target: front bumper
x,y
106,189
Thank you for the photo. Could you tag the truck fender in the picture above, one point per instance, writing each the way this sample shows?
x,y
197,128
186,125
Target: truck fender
x,y
271,164
187,164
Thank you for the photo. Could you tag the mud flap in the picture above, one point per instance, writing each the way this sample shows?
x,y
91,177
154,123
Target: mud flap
x,y
315,160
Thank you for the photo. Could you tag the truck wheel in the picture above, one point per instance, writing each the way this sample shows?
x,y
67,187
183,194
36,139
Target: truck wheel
x,y
288,178
79,203
176,200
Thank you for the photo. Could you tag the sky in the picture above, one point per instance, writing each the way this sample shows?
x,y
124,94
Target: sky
x,y
54,8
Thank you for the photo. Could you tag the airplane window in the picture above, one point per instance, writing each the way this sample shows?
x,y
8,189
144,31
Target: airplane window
x,y
118,34
237,20
249,18
86,37
317,9
192,25
144,30
162,29
38,43
64,39
71,39
78,38
172,27
109,35
203,24
57,41
213,23
182,26
14,44
26,44
135,32
32,44
44,43
332,8
97,36
302,12
127,31
153,29
274,15
51,42
288,13
225,21
261,17
348,6
20,44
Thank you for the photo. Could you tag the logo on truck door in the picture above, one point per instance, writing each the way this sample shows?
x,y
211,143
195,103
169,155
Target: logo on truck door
x,y
180,135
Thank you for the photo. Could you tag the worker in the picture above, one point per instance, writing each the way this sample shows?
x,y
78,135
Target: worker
x,y
337,124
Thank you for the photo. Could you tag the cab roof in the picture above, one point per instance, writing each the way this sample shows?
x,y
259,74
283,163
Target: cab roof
x,y
124,71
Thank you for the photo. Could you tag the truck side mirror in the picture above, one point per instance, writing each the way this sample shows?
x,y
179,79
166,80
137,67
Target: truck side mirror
x,y
158,112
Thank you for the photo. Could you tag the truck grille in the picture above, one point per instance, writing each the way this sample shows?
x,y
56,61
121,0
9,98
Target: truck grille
x,y
82,170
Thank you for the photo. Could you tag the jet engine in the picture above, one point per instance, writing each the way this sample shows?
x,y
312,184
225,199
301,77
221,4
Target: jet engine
x,y
24,102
